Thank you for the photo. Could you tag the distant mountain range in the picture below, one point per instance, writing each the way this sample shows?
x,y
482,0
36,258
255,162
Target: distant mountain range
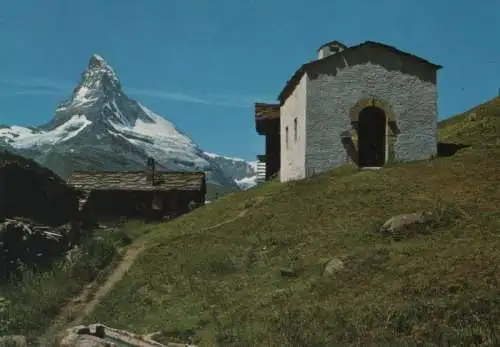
x,y
100,128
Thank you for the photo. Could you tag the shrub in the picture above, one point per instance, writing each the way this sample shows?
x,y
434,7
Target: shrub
x,y
4,315
30,303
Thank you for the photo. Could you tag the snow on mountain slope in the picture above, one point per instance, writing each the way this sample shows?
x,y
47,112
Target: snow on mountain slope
x,y
247,182
157,137
243,172
100,128
21,137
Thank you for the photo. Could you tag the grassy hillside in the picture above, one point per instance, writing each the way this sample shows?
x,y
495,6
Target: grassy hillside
x,y
247,270
214,191
478,126
31,304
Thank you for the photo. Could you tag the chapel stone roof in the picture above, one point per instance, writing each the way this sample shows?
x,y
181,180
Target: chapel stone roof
x,y
368,51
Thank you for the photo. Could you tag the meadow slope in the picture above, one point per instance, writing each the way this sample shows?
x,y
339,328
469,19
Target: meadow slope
x,y
257,280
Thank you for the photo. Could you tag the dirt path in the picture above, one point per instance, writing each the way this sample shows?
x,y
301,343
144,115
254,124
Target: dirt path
x,y
241,214
126,262
227,221
79,307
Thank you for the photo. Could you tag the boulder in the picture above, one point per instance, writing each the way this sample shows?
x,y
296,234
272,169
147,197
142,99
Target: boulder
x,y
98,330
397,224
92,341
85,336
332,266
69,339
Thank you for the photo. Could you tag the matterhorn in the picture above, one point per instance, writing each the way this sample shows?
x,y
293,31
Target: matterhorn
x,y
100,128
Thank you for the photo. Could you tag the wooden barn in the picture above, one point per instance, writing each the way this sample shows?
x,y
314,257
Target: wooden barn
x,y
148,194
267,123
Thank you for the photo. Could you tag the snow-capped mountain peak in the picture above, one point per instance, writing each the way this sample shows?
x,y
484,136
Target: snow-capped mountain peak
x,y
99,95
100,128
97,81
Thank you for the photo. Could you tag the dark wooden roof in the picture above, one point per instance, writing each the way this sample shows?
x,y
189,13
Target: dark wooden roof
x,y
264,115
267,111
136,181
294,80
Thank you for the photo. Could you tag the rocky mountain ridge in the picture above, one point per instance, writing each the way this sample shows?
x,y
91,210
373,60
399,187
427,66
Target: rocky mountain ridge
x,y
100,128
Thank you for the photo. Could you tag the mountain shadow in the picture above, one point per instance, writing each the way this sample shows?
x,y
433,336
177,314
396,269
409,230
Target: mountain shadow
x,y
29,190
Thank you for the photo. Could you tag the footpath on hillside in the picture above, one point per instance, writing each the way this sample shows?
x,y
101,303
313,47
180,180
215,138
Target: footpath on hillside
x,y
79,307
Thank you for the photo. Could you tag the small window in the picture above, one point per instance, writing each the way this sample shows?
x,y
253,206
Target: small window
x,y
286,137
295,129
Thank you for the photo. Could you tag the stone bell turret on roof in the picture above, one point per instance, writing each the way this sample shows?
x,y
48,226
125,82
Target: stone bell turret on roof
x,y
330,48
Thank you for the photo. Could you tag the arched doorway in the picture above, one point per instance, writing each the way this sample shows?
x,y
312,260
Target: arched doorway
x,y
372,137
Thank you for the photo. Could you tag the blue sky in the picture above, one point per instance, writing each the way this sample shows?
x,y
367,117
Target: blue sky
x,y
202,64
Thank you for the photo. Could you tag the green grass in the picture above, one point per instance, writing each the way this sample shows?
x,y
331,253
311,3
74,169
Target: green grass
x,y
438,286
215,276
215,191
10,343
478,126
27,307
